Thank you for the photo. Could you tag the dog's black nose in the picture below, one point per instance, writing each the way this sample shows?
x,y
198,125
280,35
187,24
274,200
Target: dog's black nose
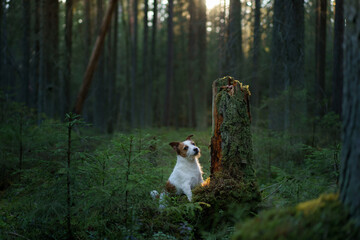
x,y
196,150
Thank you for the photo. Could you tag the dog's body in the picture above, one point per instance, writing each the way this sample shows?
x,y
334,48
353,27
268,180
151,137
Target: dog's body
x,y
187,172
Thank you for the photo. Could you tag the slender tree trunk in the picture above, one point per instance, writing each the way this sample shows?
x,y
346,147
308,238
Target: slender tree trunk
x,y
125,19
320,55
192,63
87,21
94,59
152,63
338,72
145,62
276,86
36,62
134,42
26,51
42,65
2,14
287,65
68,186
109,74
202,62
68,55
52,59
169,65
88,113
350,164
256,53
222,36
99,86
113,99
21,145
295,67
50,55
234,42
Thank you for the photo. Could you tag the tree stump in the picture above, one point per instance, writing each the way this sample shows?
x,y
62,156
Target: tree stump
x,y
232,180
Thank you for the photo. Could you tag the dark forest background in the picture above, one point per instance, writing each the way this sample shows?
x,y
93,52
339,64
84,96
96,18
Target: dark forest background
x,y
70,173
160,58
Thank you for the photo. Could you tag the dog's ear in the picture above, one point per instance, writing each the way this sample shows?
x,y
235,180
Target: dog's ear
x,y
189,137
174,145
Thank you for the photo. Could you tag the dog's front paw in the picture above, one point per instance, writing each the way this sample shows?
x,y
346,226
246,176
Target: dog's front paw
x,y
154,194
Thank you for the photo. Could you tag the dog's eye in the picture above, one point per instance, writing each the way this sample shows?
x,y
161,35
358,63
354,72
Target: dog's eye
x,y
193,144
186,148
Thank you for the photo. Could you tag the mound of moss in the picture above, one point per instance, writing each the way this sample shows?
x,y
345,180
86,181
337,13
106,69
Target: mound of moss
x,y
224,194
321,218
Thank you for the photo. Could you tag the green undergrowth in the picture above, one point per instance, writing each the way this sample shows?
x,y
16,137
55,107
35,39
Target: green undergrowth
x,y
110,187
321,218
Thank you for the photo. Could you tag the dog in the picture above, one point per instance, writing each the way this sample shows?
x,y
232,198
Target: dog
x,y
187,172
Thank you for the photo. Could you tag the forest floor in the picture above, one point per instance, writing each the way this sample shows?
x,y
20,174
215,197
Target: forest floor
x,y
110,178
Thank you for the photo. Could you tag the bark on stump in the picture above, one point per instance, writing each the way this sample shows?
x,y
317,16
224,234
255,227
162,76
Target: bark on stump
x,y
232,180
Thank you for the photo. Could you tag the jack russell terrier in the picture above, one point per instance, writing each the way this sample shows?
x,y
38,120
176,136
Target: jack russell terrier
x,y
187,172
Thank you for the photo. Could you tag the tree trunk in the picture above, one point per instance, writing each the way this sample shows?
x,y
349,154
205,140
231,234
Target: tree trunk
x,y
145,69
134,43
338,73
256,53
231,144
192,66
202,62
87,21
94,58
42,65
68,56
232,180
320,55
2,15
152,64
113,99
287,66
234,42
88,25
350,155
295,108
36,66
51,56
26,51
276,86
222,36
125,20
99,80
169,65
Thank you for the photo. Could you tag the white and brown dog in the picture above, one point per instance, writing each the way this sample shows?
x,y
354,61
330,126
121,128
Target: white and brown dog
x,y
187,172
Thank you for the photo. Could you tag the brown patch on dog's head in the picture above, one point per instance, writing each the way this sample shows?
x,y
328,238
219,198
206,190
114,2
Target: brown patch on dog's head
x,y
189,137
180,148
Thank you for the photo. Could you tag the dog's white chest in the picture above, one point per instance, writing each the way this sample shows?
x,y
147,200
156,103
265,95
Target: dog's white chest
x,y
186,175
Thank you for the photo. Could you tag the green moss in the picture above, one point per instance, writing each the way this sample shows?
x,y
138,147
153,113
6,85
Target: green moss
x,y
237,155
234,185
223,193
322,218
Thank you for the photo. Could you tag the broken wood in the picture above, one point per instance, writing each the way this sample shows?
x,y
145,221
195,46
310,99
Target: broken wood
x,y
99,44
232,181
231,145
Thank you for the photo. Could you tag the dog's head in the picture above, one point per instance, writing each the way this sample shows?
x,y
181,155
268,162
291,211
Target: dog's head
x,y
187,148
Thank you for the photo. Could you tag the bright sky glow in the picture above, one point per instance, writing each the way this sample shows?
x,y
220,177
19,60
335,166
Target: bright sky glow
x,y
210,4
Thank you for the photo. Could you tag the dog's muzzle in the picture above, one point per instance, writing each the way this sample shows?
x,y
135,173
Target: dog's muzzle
x,y
196,150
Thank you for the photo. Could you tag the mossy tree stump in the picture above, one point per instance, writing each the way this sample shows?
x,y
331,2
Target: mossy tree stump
x,y
232,180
